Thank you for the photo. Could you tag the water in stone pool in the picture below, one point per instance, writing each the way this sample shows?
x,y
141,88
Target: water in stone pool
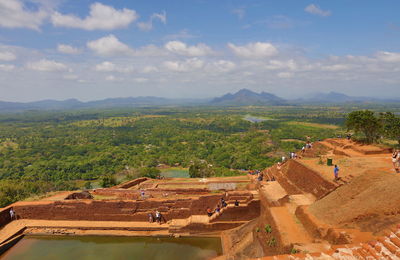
x,y
119,248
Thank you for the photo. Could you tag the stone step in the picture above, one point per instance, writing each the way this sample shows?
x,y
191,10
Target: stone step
x,y
291,231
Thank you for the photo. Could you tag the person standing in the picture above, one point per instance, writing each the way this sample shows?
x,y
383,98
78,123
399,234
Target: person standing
x,y
395,160
336,172
12,214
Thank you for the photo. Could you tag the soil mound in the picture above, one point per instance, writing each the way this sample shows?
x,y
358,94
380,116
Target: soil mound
x,y
84,195
370,202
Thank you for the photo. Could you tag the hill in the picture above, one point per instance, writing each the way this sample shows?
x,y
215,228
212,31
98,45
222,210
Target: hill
x,y
245,97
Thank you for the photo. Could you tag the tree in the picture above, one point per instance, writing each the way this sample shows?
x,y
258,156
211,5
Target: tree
x,y
366,122
200,169
150,172
108,181
391,125
88,185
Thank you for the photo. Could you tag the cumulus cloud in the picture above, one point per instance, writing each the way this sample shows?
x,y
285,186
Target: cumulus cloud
x,y
149,69
223,66
281,64
182,66
67,49
314,9
107,66
13,14
180,48
254,50
7,56
7,67
101,17
108,46
147,26
47,65
388,56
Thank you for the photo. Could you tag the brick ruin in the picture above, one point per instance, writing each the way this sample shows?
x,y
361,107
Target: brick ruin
x,y
277,218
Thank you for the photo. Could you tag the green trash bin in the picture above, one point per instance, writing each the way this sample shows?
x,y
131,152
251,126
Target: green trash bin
x,y
329,162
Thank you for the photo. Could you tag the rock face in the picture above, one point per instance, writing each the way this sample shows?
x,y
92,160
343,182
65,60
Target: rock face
x,y
84,195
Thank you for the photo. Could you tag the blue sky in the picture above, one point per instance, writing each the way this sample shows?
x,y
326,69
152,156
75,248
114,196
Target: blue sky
x,y
89,50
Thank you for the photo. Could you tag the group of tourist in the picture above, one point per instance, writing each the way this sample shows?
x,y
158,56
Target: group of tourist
x,y
396,160
219,207
159,217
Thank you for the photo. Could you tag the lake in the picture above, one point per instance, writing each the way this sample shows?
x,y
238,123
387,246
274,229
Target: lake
x,y
110,247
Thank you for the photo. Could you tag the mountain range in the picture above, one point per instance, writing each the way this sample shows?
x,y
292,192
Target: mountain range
x,y
243,97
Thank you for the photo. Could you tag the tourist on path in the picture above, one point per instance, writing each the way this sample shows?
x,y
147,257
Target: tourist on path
x,y
236,203
217,209
395,160
336,172
158,217
12,214
209,212
151,220
223,203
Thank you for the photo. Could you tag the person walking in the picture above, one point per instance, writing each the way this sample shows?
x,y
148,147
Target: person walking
x,y
336,172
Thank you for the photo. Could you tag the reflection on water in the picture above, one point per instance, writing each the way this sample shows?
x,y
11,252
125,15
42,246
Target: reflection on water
x,y
175,173
108,247
255,119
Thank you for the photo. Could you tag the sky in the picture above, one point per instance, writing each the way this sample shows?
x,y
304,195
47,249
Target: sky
x,y
90,50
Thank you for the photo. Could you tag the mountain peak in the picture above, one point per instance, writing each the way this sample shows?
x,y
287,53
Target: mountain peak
x,y
246,97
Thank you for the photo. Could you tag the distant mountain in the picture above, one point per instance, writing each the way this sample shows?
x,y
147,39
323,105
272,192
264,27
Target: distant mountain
x,y
336,97
245,97
105,103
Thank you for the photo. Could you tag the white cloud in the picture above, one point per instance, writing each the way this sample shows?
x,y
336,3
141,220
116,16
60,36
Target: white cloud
x,y
13,14
388,56
140,80
7,67
147,26
314,9
223,66
107,66
180,48
281,64
239,12
101,17
47,65
7,56
337,67
187,65
149,69
183,34
254,50
108,46
111,78
284,75
67,49
70,77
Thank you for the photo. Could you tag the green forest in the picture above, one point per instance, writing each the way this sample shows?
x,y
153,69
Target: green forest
x,y
66,150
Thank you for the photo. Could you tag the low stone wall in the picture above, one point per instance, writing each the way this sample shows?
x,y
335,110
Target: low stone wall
x,y
5,216
240,213
115,210
313,226
127,185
